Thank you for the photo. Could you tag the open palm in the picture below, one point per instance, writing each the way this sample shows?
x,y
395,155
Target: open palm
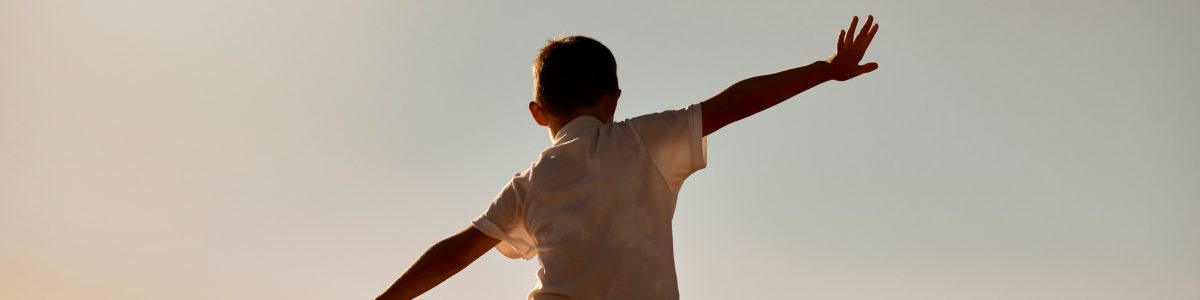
x,y
850,50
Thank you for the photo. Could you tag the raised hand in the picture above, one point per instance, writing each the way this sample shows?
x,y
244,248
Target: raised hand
x,y
843,65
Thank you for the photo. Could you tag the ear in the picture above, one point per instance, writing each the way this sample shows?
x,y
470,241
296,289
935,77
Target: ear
x,y
539,115
610,104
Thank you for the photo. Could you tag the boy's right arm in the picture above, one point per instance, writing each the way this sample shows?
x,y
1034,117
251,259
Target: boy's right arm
x,y
440,262
748,97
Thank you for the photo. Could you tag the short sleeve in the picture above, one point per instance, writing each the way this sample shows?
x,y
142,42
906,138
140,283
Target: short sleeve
x,y
505,220
675,142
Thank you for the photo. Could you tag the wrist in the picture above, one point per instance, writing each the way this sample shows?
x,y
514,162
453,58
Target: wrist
x,y
825,68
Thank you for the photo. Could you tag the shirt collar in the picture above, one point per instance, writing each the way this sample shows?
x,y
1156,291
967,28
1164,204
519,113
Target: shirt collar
x,y
576,128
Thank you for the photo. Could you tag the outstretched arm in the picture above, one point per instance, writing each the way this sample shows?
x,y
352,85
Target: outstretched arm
x,y
440,262
750,96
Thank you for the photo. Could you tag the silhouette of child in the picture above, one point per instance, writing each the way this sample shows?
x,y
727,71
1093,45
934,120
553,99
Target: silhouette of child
x,y
596,206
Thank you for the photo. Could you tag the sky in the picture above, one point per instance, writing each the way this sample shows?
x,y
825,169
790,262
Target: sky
x,y
269,149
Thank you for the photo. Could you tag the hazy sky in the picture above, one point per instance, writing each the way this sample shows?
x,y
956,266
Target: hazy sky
x,y
313,149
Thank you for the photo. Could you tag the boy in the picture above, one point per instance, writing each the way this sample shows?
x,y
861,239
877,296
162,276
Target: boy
x,y
596,207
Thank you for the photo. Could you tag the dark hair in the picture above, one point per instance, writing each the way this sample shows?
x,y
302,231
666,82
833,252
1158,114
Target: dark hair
x,y
573,72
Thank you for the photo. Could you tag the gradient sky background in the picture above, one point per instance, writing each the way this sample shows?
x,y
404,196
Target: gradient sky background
x,y
313,149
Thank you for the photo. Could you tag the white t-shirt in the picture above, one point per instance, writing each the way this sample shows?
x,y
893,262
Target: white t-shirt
x,y
596,207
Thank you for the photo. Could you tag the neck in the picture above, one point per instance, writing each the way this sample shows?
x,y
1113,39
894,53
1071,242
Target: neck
x,y
557,122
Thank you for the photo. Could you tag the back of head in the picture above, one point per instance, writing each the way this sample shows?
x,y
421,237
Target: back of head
x,y
573,72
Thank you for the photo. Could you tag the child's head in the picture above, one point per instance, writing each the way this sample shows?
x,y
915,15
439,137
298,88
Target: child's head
x,y
574,76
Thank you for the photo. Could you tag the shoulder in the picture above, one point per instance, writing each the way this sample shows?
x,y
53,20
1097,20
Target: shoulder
x,y
666,118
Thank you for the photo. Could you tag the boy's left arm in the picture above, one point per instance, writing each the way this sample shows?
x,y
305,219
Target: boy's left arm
x,y
753,95
440,262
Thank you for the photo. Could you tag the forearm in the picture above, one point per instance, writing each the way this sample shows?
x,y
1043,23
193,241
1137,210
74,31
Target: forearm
x,y
755,94
441,261
434,267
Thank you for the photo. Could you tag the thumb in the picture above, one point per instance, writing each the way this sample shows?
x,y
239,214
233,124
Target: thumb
x,y
867,68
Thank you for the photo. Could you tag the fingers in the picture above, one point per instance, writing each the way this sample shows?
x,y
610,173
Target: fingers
x,y
867,68
841,44
869,35
850,36
856,46
866,27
